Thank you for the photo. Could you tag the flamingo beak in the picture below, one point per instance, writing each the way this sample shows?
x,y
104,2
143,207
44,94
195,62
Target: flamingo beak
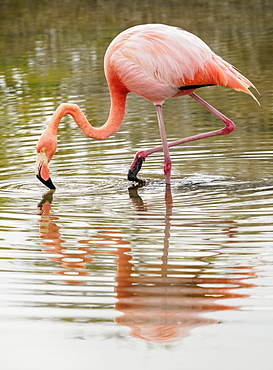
x,y
42,170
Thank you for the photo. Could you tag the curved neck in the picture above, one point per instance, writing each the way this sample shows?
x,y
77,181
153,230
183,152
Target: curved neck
x,y
111,126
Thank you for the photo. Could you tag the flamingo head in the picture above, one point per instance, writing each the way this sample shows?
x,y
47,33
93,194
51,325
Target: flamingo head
x,y
45,148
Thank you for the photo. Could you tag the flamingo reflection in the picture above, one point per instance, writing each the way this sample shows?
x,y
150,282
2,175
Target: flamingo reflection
x,y
159,302
73,264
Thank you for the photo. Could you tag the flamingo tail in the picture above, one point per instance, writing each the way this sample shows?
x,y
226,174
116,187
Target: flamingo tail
x,y
224,74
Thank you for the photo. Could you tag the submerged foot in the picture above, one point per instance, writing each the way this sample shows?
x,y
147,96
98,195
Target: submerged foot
x,y
132,173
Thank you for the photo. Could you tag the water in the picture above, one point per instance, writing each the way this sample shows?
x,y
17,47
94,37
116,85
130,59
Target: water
x,y
101,274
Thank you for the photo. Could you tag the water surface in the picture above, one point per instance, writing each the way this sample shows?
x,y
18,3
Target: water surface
x,y
103,274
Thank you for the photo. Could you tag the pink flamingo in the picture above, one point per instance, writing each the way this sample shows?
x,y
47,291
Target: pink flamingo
x,y
156,62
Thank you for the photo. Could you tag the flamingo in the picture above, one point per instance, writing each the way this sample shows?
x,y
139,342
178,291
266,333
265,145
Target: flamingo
x,y
155,62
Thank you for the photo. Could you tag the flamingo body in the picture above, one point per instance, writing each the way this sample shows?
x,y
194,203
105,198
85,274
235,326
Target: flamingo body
x,y
155,62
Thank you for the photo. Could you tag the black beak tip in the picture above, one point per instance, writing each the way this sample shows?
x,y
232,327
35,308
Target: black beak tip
x,y
47,183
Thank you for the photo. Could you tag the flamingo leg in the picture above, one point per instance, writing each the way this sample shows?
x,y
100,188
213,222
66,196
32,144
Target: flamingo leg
x,y
142,155
167,157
